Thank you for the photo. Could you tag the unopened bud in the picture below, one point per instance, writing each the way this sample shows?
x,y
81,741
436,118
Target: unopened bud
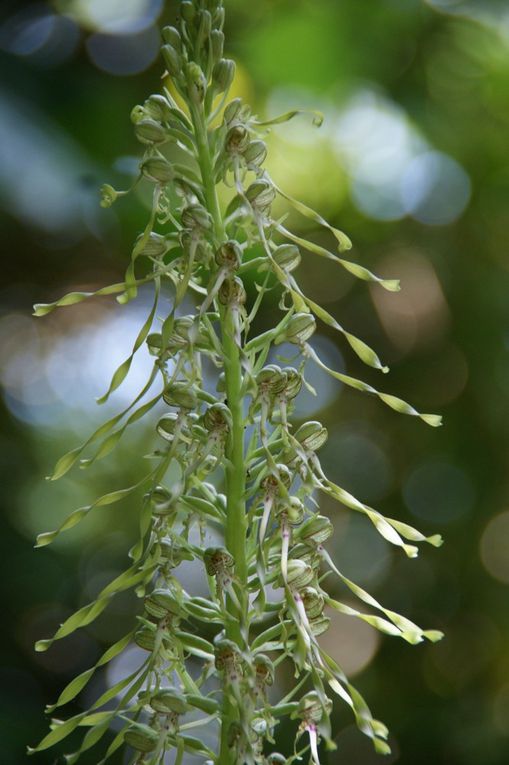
x,y
271,379
217,44
145,638
311,435
181,395
223,74
237,139
299,329
232,110
255,154
299,574
196,83
162,501
229,254
169,701
171,36
156,107
261,194
154,245
293,382
196,216
157,169
313,602
316,530
141,737
287,256
187,11
149,131
172,60
162,602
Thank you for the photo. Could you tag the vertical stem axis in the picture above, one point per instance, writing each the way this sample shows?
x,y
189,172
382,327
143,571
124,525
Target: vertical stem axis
x,y
236,522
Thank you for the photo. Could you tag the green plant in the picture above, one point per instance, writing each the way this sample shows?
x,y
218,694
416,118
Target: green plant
x,y
239,439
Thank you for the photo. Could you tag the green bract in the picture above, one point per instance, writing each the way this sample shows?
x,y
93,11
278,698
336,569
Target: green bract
x,y
257,491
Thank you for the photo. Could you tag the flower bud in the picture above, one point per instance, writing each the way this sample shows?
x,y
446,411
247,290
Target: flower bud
x,y
232,110
157,169
172,554
216,44
232,292
261,194
299,329
162,501
237,139
306,554
319,625
196,83
313,602
229,254
171,36
149,131
299,574
255,154
311,435
156,107
287,256
204,24
223,74
162,602
217,560
155,245
311,708
108,195
264,669
217,416
154,343
141,737
276,759
145,638
316,530
172,60
181,395
271,380
293,382
187,11
218,17
169,701
196,216
167,424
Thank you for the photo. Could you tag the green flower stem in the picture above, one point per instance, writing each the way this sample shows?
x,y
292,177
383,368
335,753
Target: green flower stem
x,y
236,519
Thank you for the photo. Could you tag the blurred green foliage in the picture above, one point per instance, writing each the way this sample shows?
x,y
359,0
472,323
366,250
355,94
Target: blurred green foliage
x,y
412,163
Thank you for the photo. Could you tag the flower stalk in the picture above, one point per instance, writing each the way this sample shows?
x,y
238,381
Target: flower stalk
x,y
230,458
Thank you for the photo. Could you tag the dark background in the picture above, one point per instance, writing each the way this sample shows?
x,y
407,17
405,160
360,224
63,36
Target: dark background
x,y
412,162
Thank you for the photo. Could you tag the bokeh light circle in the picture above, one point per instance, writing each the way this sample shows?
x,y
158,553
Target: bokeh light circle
x,y
124,55
435,189
494,547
